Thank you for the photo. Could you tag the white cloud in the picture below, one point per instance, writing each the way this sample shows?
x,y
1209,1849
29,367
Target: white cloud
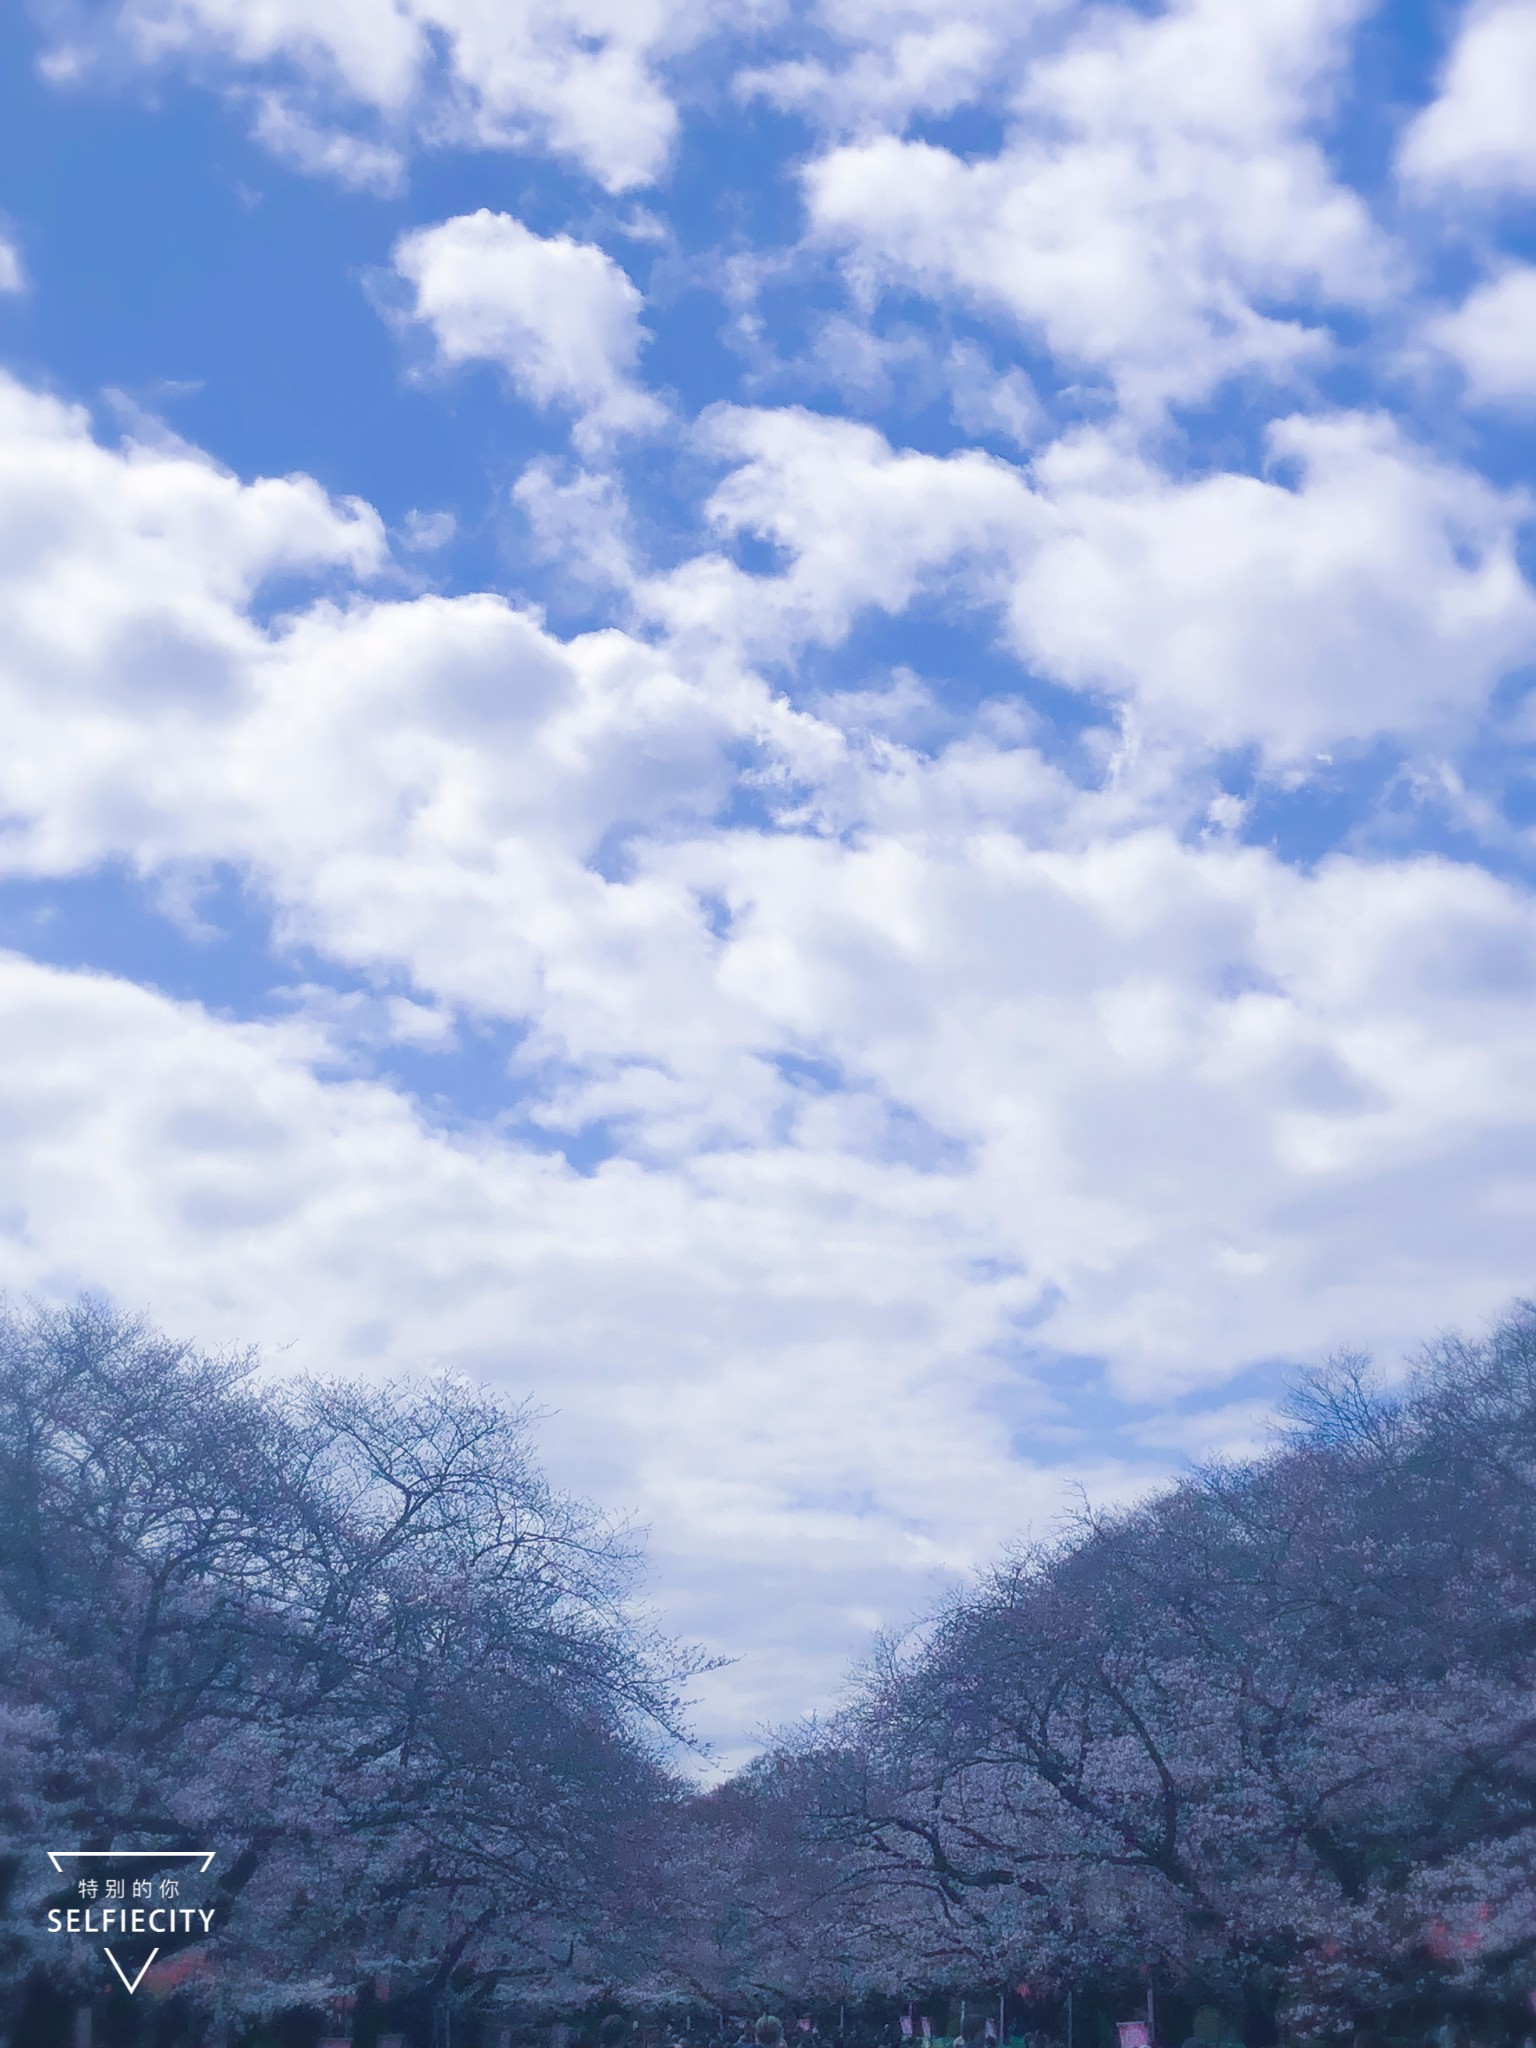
x,y
1364,588
579,77
1478,134
709,1335
12,277
984,402
558,316
897,58
1379,592
579,521
424,532
125,578
898,1056
1156,212
922,1063
327,152
861,524
1492,337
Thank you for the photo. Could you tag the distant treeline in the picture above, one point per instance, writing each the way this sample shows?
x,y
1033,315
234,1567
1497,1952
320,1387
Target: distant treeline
x,y
1264,1745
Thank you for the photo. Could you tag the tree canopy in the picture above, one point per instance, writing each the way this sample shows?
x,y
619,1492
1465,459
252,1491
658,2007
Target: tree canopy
x,y
1273,1727
348,1633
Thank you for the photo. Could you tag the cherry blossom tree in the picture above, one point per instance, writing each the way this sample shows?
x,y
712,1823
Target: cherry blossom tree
x,y
349,1637
1271,1734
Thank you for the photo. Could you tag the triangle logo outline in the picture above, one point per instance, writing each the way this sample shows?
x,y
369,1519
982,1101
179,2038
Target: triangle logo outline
x,y
132,1986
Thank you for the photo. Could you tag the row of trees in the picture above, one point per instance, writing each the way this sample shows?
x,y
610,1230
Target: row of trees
x,y
348,1635
1267,1741
1269,1738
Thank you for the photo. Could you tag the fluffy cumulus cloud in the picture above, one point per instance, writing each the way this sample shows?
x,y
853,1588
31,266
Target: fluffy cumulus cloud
x,y
1476,135
578,76
901,930
1361,588
558,316
941,1059
859,524
232,1179
1156,213
1372,591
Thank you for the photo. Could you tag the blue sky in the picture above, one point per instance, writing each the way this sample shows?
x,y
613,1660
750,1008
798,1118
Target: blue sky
x,y
809,727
